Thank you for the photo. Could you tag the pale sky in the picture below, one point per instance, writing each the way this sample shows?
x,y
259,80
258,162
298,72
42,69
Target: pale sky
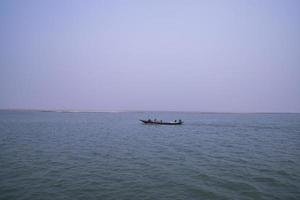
x,y
218,56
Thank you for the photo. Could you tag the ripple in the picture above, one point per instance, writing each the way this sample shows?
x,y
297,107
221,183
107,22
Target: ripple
x,y
206,194
105,156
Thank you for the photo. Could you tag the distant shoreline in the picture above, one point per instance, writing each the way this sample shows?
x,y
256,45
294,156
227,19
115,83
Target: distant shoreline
x,y
136,111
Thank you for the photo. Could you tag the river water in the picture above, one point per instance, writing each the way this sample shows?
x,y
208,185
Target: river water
x,y
52,155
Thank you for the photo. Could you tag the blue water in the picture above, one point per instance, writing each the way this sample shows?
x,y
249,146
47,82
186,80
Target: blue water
x,y
48,155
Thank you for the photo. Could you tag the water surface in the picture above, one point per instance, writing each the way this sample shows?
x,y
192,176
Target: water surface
x,y
48,155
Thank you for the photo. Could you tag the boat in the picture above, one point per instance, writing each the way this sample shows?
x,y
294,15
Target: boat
x,y
160,122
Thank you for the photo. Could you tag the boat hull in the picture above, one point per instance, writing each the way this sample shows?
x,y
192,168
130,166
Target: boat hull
x,y
160,123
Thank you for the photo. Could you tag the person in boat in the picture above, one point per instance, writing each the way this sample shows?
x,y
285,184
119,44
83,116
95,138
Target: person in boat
x,y
175,121
149,120
179,121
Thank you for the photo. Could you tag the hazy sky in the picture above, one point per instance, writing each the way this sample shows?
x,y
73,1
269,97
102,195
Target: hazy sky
x,y
227,56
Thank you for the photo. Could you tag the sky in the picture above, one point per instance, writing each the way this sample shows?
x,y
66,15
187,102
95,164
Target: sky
x,y
205,56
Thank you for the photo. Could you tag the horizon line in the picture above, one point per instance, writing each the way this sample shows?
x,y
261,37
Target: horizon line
x,y
124,111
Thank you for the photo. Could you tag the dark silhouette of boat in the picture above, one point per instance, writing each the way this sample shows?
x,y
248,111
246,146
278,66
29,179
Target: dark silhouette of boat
x,y
160,122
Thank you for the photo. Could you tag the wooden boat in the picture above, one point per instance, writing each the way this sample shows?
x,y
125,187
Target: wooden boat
x,y
159,122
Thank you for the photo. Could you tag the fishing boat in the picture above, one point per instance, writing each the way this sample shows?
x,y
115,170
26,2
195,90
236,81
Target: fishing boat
x,y
160,122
